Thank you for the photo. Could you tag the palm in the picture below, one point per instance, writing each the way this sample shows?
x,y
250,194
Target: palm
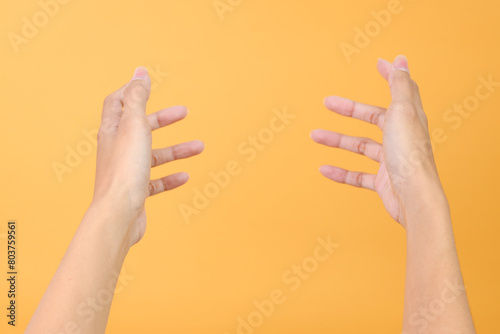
x,y
128,158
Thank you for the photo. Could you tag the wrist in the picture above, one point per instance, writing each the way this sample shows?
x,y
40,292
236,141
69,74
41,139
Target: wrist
x,y
425,206
107,218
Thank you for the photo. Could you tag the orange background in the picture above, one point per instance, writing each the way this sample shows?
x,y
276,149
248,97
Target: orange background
x,y
200,277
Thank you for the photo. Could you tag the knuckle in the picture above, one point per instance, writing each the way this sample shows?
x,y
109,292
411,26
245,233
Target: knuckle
x,y
135,94
155,161
173,154
152,188
374,118
343,176
358,180
166,184
111,101
361,145
108,99
107,127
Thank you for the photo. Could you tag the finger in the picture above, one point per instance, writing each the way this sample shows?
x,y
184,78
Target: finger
x,y
167,183
364,146
136,94
403,89
112,111
400,82
384,68
113,103
357,179
364,112
166,117
180,151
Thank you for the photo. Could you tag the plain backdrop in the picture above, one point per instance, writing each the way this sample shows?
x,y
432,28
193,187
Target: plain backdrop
x,y
235,67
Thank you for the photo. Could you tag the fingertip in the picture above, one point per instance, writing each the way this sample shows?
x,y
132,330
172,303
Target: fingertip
x,y
401,64
400,79
327,171
140,73
384,68
183,110
328,100
137,92
199,145
183,177
383,64
317,135
324,169
380,61
180,112
383,61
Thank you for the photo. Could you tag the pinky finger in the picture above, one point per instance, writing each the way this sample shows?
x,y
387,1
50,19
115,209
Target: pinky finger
x,y
167,183
357,179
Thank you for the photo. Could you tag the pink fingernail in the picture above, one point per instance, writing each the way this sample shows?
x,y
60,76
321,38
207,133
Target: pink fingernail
x,y
140,73
401,64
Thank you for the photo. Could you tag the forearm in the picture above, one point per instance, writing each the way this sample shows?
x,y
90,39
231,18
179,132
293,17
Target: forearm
x,y
435,297
79,296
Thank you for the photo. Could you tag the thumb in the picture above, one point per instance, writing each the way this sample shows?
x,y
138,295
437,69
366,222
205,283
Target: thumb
x,y
400,82
136,95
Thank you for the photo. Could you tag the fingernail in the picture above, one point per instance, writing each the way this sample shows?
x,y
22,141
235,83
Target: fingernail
x,y
401,64
140,73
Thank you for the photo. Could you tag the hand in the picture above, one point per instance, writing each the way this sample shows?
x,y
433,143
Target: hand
x,y
407,179
125,156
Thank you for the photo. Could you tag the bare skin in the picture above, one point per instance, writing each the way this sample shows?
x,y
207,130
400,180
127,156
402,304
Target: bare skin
x,y
78,297
408,184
